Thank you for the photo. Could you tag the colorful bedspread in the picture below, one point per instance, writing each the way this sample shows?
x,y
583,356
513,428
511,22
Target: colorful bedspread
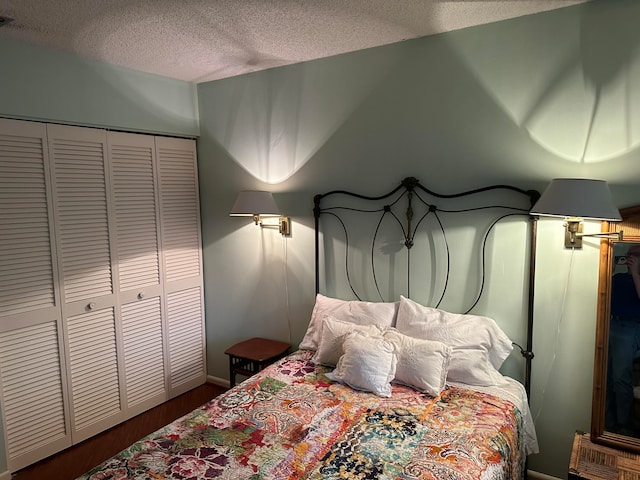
x,y
290,422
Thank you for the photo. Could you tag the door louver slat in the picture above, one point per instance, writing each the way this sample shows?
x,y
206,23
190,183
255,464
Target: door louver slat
x,y
21,364
143,350
81,201
185,338
24,226
179,213
93,366
135,206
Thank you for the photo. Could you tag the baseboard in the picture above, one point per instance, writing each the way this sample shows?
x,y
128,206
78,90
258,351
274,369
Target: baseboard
x,y
533,475
5,475
221,382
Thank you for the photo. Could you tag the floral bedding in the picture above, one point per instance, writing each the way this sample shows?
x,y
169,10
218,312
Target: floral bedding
x,y
290,422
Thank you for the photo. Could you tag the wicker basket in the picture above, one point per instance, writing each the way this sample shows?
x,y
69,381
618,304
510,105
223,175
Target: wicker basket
x,y
590,461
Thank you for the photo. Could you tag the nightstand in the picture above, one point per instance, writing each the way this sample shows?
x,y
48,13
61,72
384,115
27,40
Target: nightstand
x,y
249,357
591,461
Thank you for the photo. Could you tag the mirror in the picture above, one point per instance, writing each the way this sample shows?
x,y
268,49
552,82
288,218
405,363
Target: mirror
x,y
615,419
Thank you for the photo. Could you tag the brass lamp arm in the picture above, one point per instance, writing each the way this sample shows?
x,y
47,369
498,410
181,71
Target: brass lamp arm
x,y
573,234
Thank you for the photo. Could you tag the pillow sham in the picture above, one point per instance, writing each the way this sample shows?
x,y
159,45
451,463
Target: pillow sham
x,y
358,312
478,345
455,330
368,363
422,364
332,336
472,368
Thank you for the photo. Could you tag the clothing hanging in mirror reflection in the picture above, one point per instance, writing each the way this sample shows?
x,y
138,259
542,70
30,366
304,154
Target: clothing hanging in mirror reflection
x,y
622,415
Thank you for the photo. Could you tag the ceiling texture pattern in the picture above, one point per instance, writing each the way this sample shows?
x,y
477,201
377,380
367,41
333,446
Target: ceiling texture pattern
x,y
203,40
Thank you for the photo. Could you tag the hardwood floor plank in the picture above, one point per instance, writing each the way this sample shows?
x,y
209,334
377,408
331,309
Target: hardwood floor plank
x,y
78,459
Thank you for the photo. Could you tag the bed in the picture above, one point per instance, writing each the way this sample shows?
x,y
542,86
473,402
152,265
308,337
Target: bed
x,y
388,388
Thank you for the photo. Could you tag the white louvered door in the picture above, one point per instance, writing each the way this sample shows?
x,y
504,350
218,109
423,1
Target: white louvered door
x,y
81,198
136,226
33,383
181,262
101,297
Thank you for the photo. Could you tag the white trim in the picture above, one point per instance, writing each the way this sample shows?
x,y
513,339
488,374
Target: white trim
x,y
533,475
221,382
5,475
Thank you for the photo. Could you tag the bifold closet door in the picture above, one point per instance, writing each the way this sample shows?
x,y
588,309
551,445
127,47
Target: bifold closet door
x,y
84,246
101,296
33,382
135,200
181,261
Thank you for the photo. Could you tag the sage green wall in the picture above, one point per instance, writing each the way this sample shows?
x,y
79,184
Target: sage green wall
x,y
47,85
51,86
508,102
519,102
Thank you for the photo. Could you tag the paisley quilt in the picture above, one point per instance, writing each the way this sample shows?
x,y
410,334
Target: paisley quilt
x,y
290,422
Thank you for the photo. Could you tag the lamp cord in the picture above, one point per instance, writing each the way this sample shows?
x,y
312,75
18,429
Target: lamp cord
x,y
557,340
286,286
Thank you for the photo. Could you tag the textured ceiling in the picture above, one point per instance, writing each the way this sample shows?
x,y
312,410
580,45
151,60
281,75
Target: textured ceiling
x,y
202,40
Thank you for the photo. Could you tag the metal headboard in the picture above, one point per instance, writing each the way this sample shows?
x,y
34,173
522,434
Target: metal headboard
x,y
407,207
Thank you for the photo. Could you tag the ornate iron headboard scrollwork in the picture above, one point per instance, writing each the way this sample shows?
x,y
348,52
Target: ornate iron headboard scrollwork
x,y
392,225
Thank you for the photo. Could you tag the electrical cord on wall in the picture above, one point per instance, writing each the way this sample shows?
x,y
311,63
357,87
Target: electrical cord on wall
x,y
555,346
286,285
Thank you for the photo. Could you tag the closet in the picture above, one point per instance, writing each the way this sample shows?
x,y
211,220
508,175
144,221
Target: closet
x,y
101,300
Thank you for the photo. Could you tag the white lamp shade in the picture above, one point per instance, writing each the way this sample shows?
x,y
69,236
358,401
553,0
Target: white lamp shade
x,y
577,197
254,202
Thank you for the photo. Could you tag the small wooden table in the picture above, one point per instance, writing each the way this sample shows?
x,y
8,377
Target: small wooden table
x,y
591,461
249,357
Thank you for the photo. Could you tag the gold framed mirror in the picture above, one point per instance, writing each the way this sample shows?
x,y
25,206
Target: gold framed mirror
x,y
615,415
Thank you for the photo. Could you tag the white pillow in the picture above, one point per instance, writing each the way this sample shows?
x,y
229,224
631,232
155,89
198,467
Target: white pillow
x,y
360,313
454,329
422,364
479,346
472,368
332,336
368,363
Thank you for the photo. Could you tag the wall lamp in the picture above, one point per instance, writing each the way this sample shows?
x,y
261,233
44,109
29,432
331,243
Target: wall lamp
x,y
258,204
576,199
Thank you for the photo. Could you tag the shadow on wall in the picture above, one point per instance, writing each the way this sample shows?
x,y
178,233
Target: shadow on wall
x,y
275,121
62,87
570,95
578,96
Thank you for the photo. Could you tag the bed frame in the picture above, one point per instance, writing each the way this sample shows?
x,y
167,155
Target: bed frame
x,y
403,214
290,421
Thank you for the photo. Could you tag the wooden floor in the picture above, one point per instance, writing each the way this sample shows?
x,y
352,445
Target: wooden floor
x,y
76,460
